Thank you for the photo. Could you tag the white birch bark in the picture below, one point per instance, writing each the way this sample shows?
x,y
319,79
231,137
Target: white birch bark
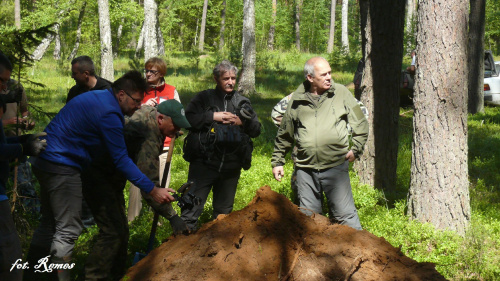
x,y
107,70
247,79
150,25
345,15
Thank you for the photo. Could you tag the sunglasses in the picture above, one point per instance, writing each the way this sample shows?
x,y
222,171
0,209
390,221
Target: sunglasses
x,y
154,72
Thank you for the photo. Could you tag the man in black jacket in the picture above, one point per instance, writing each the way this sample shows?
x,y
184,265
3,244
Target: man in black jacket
x,y
83,72
219,142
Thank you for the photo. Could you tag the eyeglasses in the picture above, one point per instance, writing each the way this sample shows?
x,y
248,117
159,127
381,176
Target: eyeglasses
x,y
154,72
137,101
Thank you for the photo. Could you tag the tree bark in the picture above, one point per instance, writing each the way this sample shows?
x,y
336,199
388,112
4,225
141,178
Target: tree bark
x,y
203,24
331,35
159,36
78,32
272,28
57,42
476,56
380,90
345,15
107,70
298,9
17,13
150,25
42,47
140,42
439,187
222,25
118,38
247,79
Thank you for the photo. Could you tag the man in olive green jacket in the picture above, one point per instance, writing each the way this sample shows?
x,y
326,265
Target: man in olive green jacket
x,y
317,121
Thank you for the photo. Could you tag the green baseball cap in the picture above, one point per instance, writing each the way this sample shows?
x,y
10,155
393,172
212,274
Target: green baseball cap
x,y
174,110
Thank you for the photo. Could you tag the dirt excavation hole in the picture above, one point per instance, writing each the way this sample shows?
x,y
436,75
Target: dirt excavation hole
x,y
282,244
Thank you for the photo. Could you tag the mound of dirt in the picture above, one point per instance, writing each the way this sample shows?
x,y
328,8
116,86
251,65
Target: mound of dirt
x,y
271,239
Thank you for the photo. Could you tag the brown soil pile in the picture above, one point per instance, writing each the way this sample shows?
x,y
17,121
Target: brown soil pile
x,y
271,239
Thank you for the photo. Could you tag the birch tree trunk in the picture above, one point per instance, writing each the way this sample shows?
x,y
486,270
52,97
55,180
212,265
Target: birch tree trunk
x,y
345,15
247,79
203,23
118,38
78,32
159,36
42,47
107,70
298,9
272,28
439,187
222,25
476,56
57,43
380,90
140,42
150,24
17,13
331,35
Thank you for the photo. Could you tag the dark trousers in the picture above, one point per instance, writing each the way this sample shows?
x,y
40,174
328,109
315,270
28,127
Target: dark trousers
x,y
104,195
60,225
10,247
223,184
336,185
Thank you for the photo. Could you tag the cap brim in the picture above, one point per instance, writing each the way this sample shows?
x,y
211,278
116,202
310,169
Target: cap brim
x,y
182,122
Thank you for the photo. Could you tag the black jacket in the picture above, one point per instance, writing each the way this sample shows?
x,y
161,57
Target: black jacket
x,y
101,84
203,143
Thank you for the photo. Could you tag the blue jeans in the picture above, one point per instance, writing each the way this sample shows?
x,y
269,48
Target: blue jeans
x,y
336,185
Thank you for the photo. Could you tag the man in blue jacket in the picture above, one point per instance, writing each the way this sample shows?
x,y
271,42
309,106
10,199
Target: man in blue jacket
x,y
10,148
89,126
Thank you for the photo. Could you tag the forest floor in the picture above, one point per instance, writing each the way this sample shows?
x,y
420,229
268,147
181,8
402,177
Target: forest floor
x,y
270,239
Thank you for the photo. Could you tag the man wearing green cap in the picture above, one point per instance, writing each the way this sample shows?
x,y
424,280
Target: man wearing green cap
x,y
144,133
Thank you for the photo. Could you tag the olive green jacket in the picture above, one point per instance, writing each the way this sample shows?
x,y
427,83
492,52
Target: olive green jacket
x,y
320,129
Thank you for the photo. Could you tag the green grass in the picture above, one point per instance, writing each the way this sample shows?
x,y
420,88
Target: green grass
x,y
473,257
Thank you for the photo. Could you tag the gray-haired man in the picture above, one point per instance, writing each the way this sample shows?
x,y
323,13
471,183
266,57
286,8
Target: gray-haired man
x,y
219,142
323,152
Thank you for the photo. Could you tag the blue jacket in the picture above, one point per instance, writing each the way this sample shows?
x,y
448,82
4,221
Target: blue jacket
x,y
9,149
89,125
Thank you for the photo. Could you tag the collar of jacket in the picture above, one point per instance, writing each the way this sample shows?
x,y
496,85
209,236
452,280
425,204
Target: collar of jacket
x,y
223,94
158,88
301,95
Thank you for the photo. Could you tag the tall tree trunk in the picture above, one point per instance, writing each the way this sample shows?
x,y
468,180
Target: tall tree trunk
x,y
331,35
150,24
196,33
272,28
298,9
410,15
380,90
57,42
476,56
78,32
17,13
222,25
203,23
118,38
140,41
247,78
107,70
439,187
159,35
345,15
